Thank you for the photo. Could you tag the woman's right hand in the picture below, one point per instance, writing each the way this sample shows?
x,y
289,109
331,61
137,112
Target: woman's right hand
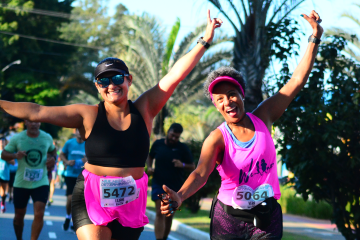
x,y
212,24
20,155
314,20
171,202
70,162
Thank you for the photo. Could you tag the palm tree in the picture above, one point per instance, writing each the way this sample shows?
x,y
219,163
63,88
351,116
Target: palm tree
x,y
198,121
149,58
349,36
90,25
252,48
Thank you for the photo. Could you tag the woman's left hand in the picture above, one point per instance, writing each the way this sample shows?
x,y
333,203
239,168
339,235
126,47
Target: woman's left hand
x,y
171,202
210,28
314,20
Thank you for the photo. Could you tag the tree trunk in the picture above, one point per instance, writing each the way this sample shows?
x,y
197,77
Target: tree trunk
x,y
158,126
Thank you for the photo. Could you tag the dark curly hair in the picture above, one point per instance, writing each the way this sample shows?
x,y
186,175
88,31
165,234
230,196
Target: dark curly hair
x,y
223,71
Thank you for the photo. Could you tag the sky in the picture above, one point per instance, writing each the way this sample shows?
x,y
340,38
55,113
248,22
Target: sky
x,y
193,12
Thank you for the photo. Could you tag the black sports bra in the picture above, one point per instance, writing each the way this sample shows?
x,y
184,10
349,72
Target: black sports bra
x,y
108,147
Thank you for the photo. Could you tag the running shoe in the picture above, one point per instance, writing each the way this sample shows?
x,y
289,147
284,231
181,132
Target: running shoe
x,y
72,229
10,199
3,209
50,202
66,224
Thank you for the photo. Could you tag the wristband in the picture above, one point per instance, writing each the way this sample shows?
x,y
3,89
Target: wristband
x,y
202,42
314,39
183,165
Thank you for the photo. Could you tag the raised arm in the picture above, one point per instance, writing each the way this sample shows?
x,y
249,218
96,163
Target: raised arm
x,y
212,150
155,98
272,108
70,116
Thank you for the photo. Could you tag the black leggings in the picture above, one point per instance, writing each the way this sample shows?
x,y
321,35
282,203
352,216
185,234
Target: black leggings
x,y
80,216
224,226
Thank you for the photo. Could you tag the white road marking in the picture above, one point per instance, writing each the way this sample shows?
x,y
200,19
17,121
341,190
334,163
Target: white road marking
x,y
172,238
326,234
49,223
52,235
47,213
152,227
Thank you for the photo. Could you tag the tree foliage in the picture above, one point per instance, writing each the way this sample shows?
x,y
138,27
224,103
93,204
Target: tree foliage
x,y
355,48
252,43
29,37
321,139
198,121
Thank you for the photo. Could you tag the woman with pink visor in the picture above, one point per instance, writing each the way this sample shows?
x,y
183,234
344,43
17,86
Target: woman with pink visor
x,y
242,147
109,198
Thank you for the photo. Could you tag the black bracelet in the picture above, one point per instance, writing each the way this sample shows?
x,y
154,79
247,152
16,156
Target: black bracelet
x,y
203,42
314,39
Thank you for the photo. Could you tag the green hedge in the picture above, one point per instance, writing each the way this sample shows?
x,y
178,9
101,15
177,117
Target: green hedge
x,y
296,205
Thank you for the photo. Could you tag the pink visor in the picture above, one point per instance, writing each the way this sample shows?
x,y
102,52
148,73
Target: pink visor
x,y
224,79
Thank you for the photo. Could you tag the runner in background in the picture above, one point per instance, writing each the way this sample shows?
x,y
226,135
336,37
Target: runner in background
x,y
73,157
172,157
52,179
60,173
35,152
13,169
4,176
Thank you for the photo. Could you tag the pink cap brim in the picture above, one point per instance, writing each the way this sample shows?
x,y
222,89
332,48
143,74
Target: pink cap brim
x,y
224,79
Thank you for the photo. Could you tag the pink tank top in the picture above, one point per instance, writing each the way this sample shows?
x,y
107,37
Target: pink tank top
x,y
252,166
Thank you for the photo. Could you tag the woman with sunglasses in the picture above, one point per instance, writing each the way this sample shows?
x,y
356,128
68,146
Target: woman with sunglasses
x,y
246,206
109,198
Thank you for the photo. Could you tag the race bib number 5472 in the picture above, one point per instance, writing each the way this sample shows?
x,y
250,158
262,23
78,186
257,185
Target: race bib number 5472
x,y
118,191
244,197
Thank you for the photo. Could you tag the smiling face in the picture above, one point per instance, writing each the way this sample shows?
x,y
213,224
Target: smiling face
x,y
229,102
114,93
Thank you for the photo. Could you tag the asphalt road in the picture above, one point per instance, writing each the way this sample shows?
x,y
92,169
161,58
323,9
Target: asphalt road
x,y
53,220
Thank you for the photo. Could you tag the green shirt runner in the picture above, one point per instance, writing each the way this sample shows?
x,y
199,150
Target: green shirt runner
x,y
32,171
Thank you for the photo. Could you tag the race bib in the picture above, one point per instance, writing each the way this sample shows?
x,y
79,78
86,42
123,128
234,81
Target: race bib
x,y
244,197
118,191
2,166
33,175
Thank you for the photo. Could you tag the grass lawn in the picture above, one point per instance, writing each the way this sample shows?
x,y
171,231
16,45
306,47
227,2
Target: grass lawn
x,y
292,236
201,221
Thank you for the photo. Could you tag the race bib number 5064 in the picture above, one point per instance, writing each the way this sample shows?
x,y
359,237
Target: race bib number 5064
x,y
118,191
244,197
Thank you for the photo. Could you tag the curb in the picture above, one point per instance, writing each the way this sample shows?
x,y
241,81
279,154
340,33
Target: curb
x,y
183,229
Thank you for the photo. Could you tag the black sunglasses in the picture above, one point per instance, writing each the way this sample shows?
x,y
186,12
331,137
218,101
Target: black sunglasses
x,y
117,80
